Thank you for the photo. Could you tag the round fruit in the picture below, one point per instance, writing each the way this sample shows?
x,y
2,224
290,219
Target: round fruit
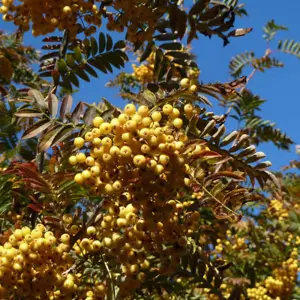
x,y
185,82
79,142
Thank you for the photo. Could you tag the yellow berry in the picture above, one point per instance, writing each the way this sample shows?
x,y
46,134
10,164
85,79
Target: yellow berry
x,y
65,238
105,128
97,121
80,157
79,142
178,123
72,160
129,109
91,230
78,178
156,116
86,174
139,160
95,170
143,110
90,161
89,136
167,109
185,82
67,10
193,88
125,151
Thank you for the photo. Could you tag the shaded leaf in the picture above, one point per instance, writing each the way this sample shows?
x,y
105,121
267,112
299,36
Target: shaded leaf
x,y
39,99
66,106
147,52
80,72
73,78
102,42
63,135
119,45
36,128
199,6
171,46
52,105
77,113
165,37
89,115
90,70
153,87
28,113
94,46
109,42
48,138
223,174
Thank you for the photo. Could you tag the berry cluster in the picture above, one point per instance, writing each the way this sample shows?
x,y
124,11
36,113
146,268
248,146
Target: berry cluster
x,y
140,17
36,263
143,73
276,208
135,161
281,283
49,15
32,263
235,243
137,151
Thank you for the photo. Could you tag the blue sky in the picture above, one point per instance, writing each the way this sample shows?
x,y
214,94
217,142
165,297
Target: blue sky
x,y
277,86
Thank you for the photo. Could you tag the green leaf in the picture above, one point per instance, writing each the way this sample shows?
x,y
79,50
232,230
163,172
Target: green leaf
x,y
271,29
255,157
66,83
149,97
238,63
94,46
36,128
290,47
102,42
39,99
211,13
194,97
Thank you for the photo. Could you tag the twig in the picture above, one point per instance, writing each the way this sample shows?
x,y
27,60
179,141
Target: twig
x,y
216,199
110,277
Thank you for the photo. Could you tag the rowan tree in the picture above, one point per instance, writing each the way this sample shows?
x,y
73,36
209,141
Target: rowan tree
x,y
153,200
